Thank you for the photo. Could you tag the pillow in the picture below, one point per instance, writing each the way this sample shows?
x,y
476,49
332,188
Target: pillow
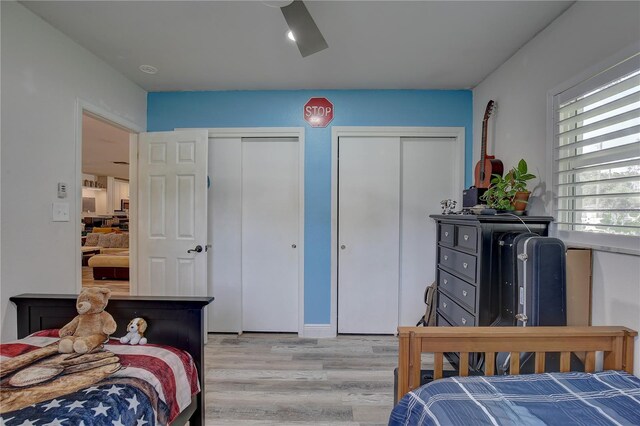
x,y
104,240
120,241
91,240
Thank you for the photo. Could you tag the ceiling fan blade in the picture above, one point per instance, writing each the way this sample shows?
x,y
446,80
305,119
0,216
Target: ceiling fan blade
x,y
308,37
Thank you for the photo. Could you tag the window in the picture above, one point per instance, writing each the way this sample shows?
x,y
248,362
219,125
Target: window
x,y
596,152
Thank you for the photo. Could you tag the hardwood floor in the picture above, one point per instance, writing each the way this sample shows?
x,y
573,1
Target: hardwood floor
x,y
280,379
117,287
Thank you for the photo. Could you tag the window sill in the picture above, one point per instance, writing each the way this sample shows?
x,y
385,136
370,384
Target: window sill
x,y
619,244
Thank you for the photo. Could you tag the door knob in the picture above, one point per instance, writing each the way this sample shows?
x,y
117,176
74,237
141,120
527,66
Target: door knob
x,y
343,247
293,246
197,249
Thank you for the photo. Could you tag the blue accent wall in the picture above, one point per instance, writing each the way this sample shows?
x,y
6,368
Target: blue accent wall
x,y
283,108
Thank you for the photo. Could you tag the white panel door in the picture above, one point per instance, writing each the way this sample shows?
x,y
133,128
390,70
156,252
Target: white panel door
x,y
172,215
225,229
270,206
368,234
427,178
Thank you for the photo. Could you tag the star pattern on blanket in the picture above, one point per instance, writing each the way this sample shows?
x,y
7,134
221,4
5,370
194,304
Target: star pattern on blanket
x,y
106,405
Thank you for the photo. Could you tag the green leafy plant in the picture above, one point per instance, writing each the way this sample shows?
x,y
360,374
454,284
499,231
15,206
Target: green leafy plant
x,y
502,192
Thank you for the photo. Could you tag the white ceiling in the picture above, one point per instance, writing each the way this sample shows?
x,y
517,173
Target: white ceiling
x,y
102,144
242,45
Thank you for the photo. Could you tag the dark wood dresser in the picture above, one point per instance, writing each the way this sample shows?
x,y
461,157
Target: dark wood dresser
x,y
468,264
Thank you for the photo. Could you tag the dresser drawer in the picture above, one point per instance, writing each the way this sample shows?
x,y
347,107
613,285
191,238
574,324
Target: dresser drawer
x,y
460,263
454,312
447,234
442,321
467,238
461,290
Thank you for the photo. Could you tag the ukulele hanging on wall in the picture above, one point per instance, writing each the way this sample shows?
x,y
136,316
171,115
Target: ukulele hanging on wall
x,y
488,165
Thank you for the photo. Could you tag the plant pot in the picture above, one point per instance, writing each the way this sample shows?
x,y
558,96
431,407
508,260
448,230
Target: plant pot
x,y
520,200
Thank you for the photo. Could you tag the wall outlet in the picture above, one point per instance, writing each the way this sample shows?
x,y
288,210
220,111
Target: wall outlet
x,y
60,212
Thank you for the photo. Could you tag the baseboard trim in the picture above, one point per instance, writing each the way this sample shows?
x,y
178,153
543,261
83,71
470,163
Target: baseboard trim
x,y
317,331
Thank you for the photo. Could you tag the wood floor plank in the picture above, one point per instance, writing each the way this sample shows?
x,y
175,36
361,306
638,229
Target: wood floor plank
x,y
280,379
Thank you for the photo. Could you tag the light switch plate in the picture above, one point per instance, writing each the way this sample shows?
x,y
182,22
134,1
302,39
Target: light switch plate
x,y
60,212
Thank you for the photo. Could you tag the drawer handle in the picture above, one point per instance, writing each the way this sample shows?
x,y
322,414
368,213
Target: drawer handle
x,y
464,292
446,257
446,233
445,281
466,237
444,304
465,265
464,321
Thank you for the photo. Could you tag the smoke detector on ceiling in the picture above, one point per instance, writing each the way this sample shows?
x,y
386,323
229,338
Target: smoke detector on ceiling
x,y
149,69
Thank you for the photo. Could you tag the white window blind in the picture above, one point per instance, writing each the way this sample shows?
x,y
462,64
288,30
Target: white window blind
x,y
597,152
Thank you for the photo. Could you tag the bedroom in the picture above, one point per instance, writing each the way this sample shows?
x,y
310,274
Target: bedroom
x,y
583,36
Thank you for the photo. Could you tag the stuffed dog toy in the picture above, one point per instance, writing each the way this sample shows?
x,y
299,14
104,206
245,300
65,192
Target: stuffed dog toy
x,y
135,332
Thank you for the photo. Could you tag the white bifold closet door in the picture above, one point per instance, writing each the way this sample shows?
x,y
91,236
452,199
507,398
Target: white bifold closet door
x,y
368,236
270,235
254,222
387,188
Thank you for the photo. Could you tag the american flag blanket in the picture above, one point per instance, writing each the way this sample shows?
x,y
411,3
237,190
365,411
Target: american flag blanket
x,y
605,398
153,386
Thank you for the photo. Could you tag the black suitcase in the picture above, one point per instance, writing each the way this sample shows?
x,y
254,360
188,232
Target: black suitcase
x,y
540,269
507,267
542,281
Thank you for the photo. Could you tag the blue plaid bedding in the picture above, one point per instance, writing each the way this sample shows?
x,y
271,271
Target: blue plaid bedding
x,y
605,398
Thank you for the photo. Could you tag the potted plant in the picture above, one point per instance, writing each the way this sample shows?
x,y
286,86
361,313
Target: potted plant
x,y
509,192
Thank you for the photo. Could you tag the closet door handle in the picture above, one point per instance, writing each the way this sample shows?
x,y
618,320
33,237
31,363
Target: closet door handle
x,y
466,237
446,257
465,265
464,321
446,233
445,281
464,292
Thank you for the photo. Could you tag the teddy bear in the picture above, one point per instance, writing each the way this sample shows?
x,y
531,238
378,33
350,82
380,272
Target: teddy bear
x,y
92,326
135,332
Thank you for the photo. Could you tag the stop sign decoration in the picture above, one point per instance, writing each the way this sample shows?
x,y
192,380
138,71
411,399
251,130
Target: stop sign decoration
x,y
318,112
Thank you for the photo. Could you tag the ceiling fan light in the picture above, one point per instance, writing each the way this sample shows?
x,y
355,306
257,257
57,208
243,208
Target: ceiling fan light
x,y
309,39
290,36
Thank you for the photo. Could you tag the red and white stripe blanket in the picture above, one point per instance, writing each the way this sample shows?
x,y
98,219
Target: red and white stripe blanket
x,y
169,371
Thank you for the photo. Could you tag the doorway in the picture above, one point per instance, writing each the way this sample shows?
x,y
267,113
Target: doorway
x,y
105,213
385,184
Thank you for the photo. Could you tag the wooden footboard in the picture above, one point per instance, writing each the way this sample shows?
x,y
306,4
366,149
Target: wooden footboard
x,y
615,342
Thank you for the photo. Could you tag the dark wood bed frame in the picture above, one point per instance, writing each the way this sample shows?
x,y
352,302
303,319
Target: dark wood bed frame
x,y
173,321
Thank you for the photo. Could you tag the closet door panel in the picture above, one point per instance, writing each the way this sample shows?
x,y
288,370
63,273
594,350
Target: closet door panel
x,y
368,234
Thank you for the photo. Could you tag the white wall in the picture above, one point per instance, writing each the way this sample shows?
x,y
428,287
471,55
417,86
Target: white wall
x,y
586,34
43,74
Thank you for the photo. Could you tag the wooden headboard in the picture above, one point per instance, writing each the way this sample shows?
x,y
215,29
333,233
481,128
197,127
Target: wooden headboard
x,y
173,321
615,342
